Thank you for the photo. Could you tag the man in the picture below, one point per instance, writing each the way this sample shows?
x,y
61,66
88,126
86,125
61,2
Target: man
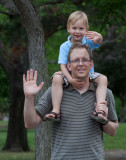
x,y
77,136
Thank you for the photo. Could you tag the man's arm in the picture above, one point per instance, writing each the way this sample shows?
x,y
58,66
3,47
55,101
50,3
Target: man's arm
x,y
111,128
31,118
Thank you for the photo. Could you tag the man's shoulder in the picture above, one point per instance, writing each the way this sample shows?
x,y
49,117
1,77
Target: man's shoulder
x,y
47,93
109,95
109,91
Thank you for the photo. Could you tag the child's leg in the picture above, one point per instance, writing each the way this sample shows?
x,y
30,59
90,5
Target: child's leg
x,y
101,90
57,93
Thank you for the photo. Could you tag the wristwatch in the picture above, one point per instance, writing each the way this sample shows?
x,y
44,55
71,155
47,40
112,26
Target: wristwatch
x,y
105,122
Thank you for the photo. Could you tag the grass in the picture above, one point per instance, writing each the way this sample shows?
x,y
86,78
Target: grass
x,y
17,156
118,142
12,155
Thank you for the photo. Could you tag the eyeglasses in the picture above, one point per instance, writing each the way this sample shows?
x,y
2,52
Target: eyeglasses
x,y
83,60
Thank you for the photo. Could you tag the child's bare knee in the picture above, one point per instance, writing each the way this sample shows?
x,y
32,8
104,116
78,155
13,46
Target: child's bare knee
x,y
103,79
57,79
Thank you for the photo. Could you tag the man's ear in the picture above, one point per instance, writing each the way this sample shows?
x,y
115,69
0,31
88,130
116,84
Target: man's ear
x,y
69,66
91,64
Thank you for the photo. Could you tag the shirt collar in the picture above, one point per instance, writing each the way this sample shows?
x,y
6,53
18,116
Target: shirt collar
x,y
83,40
91,87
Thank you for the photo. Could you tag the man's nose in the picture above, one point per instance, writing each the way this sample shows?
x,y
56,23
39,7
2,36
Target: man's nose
x,y
81,62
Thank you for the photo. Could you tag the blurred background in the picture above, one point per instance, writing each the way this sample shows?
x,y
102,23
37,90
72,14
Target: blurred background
x,y
107,17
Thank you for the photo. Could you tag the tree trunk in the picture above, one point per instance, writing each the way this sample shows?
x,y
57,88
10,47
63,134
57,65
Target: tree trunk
x,y
17,135
37,61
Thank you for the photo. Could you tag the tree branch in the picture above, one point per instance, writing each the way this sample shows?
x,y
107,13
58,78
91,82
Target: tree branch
x,y
52,2
30,15
76,2
9,4
6,13
107,41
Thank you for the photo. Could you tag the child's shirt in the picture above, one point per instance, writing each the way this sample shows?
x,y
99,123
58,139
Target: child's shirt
x,y
64,50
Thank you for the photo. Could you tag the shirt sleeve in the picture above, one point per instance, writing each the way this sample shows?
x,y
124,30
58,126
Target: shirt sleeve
x,y
112,116
44,105
91,44
63,54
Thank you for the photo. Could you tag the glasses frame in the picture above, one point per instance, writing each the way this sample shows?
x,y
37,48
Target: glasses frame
x,y
77,61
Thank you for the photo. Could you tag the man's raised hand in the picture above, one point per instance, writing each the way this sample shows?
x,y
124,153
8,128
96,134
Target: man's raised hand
x,y
29,83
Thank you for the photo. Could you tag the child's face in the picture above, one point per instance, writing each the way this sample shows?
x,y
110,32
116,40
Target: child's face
x,y
77,31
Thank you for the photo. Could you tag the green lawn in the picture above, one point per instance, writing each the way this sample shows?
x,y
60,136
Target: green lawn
x,y
118,142
16,156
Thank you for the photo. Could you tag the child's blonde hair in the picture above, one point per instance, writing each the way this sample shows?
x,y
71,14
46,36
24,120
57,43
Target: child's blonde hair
x,y
78,15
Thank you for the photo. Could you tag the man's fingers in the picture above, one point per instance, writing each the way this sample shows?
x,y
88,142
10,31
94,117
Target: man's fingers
x,y
35,76
31,75
27,75
41,85
24,80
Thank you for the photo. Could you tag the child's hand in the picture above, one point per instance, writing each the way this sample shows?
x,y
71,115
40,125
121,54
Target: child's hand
x,y
77,84
94,36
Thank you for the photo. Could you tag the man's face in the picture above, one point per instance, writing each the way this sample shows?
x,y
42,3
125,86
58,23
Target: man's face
x,y
80,64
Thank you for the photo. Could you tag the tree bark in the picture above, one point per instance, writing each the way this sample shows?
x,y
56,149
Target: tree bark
x,y
37,61
17,134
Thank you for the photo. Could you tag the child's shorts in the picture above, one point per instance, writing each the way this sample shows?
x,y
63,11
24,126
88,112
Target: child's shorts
x,y
92,76
66,83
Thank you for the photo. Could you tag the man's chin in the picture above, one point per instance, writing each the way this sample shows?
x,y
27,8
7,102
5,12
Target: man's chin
x,y
83,77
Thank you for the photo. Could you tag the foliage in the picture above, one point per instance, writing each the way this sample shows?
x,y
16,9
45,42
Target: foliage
x,y
52,50
118,105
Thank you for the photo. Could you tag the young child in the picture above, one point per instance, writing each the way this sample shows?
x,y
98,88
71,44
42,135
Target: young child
x,y
77,26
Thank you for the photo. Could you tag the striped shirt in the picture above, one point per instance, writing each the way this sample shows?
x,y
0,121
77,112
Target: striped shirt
x,y
77,136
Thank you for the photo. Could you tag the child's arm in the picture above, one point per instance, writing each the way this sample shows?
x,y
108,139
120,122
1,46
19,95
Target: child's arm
x,y
76,83
94,36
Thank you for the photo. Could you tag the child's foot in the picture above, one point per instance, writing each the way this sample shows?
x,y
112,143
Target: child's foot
x,y
52,116
99,119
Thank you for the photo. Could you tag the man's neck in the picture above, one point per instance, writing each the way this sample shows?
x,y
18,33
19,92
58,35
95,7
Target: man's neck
x,y
84,88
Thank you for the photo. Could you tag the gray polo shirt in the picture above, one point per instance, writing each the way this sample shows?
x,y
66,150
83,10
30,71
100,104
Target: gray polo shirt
x,y
77,136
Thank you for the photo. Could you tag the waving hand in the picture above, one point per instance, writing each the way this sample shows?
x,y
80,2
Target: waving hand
x,y
29,84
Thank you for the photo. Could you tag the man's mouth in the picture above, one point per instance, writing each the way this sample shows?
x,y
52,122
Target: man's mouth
x,y
81,70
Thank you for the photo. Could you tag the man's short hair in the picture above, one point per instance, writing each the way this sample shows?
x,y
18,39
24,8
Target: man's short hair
x,y
78,15
80,46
